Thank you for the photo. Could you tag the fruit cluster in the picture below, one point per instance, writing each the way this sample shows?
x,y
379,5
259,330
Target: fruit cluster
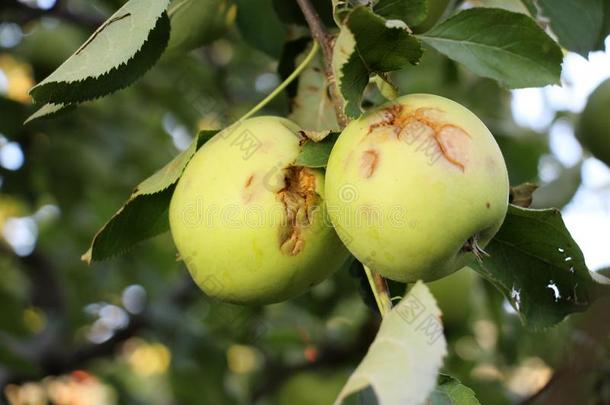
x,y
414,189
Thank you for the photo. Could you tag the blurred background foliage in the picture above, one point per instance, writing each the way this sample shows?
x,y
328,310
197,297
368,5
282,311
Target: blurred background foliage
x,y
134,329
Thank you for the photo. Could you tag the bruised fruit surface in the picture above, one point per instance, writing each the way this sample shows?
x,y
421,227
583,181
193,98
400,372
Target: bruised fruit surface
x,y
594,126
250,227
417,188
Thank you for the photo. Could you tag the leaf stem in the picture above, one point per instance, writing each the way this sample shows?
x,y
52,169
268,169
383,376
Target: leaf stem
x,y
380,291
312,53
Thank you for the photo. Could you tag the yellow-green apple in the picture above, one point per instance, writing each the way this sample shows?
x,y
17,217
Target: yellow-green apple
x,y
250,226
417,187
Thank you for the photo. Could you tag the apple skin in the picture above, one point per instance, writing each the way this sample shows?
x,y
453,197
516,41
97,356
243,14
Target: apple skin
x,y
196,23
407,208
228,216
593,129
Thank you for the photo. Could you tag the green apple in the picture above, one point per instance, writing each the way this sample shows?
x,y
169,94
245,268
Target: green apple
x,y
454,295
594,127
416,188
251,227
195,23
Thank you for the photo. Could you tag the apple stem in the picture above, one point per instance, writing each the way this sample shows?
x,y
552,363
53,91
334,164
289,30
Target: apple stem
x,y
312,53
380,291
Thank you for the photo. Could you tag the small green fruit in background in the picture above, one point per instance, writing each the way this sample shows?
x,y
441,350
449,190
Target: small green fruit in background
x,y
417,188
195,23
453,295
312,387
251,227
594,127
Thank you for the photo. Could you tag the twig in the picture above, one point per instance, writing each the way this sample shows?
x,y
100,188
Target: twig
x,y
318,30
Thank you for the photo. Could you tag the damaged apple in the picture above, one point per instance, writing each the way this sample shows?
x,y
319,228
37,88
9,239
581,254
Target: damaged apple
x,y
250,226
417,188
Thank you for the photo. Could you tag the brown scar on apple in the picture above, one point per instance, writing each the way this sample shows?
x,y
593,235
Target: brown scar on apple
x,y
248,192
299,198
249,181
453,141
369,163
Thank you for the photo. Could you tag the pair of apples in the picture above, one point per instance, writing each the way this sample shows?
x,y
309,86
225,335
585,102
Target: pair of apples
x,y
414,190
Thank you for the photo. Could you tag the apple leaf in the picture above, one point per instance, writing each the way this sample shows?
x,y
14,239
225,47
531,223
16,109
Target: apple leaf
x,y
403,362
505,46
260,26
115,55
49,111
315,154
539,268
145,214
312,108
577,23
383,46
369,44
560,191
412,12
350,72
451,391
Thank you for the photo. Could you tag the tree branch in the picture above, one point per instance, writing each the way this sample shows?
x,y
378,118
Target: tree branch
x,y
326,41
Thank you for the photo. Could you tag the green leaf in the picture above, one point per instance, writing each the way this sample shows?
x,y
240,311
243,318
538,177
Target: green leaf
x,y
383,46
369,44
539,268
315,154
577,23
49,111
145,214
403,361
350,72
312,108
508,47
118,53
260,26
412,12
560,191
450,391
